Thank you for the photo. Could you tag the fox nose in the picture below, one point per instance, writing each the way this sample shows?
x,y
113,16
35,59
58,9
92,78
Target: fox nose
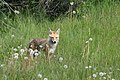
x,y
54,42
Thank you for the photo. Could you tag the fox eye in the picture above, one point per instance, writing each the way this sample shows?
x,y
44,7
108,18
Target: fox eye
x,y
51,37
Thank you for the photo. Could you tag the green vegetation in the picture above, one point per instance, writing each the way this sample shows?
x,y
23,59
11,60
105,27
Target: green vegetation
x,y
89,45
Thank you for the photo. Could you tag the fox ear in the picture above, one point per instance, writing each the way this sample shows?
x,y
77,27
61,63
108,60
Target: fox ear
x,y
58,31
50,31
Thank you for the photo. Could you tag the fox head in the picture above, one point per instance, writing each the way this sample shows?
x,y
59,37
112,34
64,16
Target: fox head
x,y
54,36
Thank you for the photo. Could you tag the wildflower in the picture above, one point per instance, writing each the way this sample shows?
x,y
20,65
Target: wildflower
x,y
71,3
86,67
60,59
25,58
39,75
86,41
65,66
36,54
94,75
90,66
15,49
16,12
22,50
104,78
1,65
83,16
15,57
90,39
110,68
74,12
16,54
40,46
101,73
12,36
113,79
45,78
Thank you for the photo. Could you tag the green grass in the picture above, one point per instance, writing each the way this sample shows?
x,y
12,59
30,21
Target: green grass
x,y
101,23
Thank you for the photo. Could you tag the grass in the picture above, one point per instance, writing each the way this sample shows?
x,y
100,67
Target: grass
x,y
85,59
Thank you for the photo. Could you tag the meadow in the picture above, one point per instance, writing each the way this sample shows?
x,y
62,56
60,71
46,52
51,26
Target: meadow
x,y
88,48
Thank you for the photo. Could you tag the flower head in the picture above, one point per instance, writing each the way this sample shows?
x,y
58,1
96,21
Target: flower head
x,y
45,78
16,12
12,36
22,50
15,49
16,54
90,39
36,54
15,57
71,3
74,12
60,59
39,75
65,66
94,75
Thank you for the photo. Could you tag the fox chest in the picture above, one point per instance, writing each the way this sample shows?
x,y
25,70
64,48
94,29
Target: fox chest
x,y
51,50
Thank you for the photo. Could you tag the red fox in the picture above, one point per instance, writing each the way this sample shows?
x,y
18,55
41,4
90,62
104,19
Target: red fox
x,y
48,45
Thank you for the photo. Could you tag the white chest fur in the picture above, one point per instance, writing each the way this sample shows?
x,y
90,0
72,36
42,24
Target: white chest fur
x,y
52,49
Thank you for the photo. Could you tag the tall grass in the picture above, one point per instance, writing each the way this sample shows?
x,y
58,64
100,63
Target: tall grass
x,y
89,46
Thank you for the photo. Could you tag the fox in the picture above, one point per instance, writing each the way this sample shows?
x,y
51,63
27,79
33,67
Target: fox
x,y
48,45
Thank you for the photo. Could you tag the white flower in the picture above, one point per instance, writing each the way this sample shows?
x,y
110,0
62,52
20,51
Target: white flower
x,y
12,36
65,66
94,75
90,66
16,54
2,65
90,39
39,75
83,16
71,3
45,78
110,68
101,73
86,41
25,58
86,67
16,12
22,50
15,49
113,79
15,57
36,54
40,46
60,59
74,12
104,78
